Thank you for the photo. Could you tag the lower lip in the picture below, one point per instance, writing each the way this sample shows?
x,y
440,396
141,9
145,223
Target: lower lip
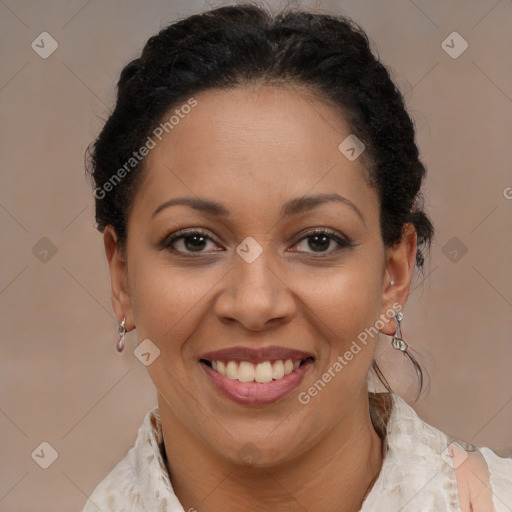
x,y
256,393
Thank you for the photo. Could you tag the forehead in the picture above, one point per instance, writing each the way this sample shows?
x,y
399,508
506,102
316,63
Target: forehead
x,y
254,145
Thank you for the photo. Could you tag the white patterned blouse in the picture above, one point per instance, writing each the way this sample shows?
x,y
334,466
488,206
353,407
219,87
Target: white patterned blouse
x,y
423,470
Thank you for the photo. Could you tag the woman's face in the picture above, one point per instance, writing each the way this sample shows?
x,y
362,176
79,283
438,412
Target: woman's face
x,y
257,276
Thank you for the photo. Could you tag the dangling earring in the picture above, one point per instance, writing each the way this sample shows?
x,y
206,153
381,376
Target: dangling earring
x,y
121,331
396,341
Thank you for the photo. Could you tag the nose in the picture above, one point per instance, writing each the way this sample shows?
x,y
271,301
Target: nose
x,y
255,295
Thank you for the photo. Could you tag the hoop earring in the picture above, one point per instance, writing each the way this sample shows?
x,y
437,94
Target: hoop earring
x,y
121,331
396,341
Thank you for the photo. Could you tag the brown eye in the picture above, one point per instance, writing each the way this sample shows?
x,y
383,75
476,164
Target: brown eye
x,y
193,243
319,241
188,242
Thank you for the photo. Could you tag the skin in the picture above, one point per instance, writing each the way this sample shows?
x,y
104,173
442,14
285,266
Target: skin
x,y
253,148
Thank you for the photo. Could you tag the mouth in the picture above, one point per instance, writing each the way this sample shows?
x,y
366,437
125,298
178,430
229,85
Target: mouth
x,y
256,376
263,372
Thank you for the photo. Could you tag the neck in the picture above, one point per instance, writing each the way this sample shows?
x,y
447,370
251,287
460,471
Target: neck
x,y
333,476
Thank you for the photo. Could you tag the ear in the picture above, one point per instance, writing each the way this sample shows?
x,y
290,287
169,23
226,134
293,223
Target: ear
x,y
121,301
398,273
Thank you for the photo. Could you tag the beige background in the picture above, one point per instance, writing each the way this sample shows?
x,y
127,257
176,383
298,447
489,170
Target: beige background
x,y
62,381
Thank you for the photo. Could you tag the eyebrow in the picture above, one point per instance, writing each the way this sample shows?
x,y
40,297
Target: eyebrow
x,y
291,208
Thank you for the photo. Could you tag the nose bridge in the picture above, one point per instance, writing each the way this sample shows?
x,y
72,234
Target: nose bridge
x,y
253,273
254,294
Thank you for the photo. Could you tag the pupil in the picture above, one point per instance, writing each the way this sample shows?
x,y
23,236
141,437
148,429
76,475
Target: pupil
x,y
324,244
198,243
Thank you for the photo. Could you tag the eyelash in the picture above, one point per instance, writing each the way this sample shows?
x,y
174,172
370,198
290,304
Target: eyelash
x,y
167,243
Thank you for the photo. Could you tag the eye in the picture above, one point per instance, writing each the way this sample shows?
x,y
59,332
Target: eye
x,y
195,240
320,240
189,241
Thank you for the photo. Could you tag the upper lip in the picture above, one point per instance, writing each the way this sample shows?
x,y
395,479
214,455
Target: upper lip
x,y
255,356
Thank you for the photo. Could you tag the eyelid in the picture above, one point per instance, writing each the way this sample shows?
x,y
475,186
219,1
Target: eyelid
x,y
168,239
342,241
322,230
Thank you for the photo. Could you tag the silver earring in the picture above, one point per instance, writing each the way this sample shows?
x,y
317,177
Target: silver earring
x,y
396,341
121,331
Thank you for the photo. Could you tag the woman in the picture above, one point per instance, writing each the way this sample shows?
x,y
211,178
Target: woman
x,y
258,187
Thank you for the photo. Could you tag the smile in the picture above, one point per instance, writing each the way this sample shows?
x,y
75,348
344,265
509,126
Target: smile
x,y
264,372
256,384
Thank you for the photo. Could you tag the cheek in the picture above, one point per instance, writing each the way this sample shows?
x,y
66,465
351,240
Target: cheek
x,y
344,308
347,316
347,297
169,302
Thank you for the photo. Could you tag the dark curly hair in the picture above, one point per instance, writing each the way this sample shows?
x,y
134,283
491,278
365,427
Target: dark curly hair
x,y
240,44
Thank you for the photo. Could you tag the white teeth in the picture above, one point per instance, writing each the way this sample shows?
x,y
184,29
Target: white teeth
x,y
249,372
232,370
278,370
263,372
245,372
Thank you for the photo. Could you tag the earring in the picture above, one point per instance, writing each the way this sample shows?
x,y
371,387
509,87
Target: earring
x,y
121,331
396,341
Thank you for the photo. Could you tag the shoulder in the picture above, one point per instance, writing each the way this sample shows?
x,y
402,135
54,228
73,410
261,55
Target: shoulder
x,y
123,488
140,481
483,479
117,491
500,478
425,469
